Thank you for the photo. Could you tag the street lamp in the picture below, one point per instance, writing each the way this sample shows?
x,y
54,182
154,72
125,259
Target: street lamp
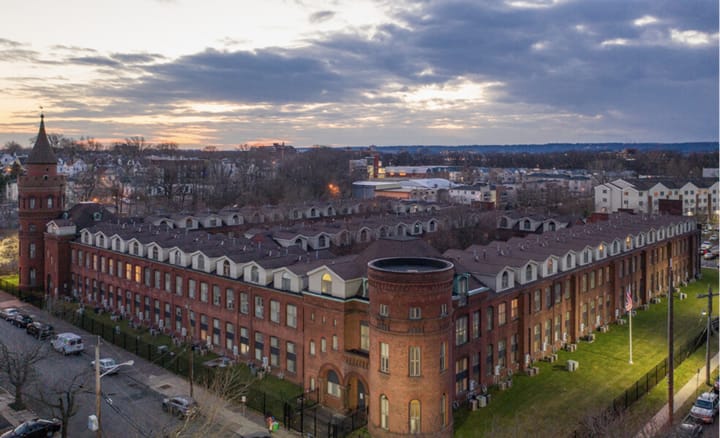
x,y
94,423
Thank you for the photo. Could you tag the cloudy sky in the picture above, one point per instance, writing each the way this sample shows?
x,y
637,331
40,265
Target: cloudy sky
x,y
360,72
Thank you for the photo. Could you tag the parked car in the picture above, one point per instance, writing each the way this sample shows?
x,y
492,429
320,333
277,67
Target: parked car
x,y
8,312
706,245
21,320
180,405
36,428
107,365
40,330
219,362
67,343
705,407
688,430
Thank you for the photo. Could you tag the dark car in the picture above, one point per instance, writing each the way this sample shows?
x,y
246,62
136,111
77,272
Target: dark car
x,y
40,330
182,406
36,428
7,313
21,320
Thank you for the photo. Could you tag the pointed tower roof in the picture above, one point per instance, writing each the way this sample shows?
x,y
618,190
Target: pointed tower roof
x,y
42,153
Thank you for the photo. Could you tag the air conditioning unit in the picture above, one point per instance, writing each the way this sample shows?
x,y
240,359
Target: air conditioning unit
x,y
161,323
582,327
597,320
183,332
564,337
544,346
527,359
497,370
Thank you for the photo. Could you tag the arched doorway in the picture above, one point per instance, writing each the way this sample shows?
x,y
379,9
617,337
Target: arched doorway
x,y
357,398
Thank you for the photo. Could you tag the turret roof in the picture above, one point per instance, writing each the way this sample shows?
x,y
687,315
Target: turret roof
x,y
42,153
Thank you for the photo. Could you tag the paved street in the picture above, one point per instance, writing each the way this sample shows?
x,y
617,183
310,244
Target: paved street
x,y
133,405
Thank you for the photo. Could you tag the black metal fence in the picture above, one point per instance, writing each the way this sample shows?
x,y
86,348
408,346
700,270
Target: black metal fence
x,y
310,419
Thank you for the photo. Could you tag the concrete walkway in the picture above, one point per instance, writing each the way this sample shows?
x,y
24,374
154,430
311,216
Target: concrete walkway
x,y
163,382
687,392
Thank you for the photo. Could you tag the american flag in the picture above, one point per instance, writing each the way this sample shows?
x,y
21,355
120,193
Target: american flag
x,y
628,299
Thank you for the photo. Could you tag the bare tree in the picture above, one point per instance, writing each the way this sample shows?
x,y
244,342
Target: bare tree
x,y
62,399
19,368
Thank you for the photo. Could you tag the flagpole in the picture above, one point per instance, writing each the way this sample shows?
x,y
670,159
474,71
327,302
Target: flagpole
x,y
630,324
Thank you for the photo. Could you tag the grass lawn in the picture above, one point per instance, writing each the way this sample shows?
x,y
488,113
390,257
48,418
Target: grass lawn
x,y
554,402
653,401
12,279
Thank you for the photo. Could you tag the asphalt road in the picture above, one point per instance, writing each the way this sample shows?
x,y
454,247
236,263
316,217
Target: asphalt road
x,y
130,408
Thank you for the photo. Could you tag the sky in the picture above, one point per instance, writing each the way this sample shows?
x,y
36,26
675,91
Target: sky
x,y
360,72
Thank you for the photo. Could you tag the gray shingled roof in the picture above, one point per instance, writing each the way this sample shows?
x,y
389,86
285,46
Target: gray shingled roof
x,y
42,153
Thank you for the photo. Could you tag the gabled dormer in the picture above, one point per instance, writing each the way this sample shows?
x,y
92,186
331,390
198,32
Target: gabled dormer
x,y
135,247
550,266
254,273
616,247
178,257
568,261
101,240
528,272
201,262
586,256
86,237
157,252
285,279
629,243
505,279
117,243
601,251
225,267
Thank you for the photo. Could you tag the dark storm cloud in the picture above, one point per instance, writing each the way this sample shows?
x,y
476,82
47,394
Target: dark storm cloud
x,y
261,76
566,58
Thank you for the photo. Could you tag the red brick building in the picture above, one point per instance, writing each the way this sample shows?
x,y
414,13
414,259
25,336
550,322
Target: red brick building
x,y
368,330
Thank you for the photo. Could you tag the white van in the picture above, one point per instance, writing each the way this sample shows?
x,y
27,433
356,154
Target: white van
x,y
67,343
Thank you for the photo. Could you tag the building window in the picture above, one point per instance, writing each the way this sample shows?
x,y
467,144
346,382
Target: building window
x,y
502,314
384,411
229,336
414,361
334,342
443,410
364,336
32,251
384,310
514,309
443,356
203,292
489,360
291,357
461,375
191,289
536,300
461,330
415,416
259,345
476,324
536,337
244,340
323,345
255,274
505,280
333,384
326,284
216,332
275,311
259,309
226,268
528,273
168,282
244,305
156,276
415,313
178,285
274,351
286,284
514,348
312,348
291,315
201,263
489,313
229,299
384,357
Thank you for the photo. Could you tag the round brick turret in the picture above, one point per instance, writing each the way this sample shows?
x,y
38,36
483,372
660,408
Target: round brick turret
x,y
410,372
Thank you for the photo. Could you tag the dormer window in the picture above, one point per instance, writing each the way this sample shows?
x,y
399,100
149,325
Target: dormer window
x,y
462,285
135,248
178,258
528,273
326,284
226,268
49,202
550,266
586,257
568,261
201,262
155,253
254,274
504,280
526,224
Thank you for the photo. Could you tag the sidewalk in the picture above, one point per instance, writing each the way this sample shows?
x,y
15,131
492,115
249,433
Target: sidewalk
x,y
689,391
163,382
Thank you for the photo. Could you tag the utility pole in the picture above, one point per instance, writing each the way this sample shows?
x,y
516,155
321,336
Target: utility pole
x,y
192,349
98,398
709,296
671,356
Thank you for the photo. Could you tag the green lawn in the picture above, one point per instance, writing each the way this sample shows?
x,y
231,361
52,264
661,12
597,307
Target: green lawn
x,y
12,279
554,402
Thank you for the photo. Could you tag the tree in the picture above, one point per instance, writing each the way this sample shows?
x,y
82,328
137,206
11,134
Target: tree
x,y
13,148
62,400
19,367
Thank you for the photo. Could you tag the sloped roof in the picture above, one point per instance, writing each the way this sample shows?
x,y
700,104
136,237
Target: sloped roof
x,y
42,153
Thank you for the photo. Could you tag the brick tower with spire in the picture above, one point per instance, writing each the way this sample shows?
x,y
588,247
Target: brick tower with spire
x,y
41,198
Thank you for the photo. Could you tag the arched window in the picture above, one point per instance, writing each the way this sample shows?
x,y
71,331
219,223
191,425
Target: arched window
x,y
178,258
568,261
286,283
383,232
418,228
415,416
551,226
155,253
586,256
528,273
503,222
254,274
550,266
201,262
188,223
432,225
326,283
135,248
616,247
322,241
333,384
384,411
364,237
101,241
226,268
526,224
505,280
